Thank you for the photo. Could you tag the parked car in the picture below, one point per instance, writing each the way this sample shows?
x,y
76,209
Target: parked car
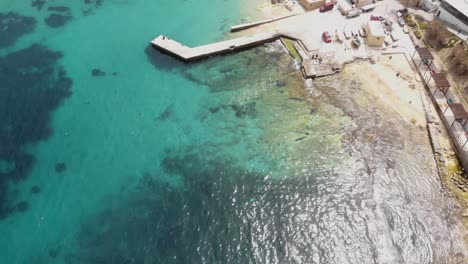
x,y
401,22
353,13
395,36
376,18
327,7
368,8
326,37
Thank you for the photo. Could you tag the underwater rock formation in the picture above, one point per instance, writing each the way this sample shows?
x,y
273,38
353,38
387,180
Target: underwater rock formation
x,y
60,167
57,20
33,86
98,73
13,26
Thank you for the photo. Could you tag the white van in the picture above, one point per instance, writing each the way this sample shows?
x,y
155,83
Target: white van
x,y
368,8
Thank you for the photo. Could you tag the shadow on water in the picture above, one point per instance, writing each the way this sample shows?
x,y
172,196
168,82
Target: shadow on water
x,y
33,85
162,61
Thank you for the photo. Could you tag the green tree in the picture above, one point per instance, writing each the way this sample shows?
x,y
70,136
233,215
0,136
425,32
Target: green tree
x,y
437,34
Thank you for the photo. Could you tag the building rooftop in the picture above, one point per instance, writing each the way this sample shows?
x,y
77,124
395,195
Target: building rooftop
x,y
376,29
460,5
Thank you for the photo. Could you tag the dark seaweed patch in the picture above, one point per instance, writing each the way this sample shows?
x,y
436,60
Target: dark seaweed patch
x,y
98,73
22,206
38,4
13,26
58,8
32,87
90,6
54,252
164,115
35,189
244,110
96,3
280,83
60,167
57,20
214,109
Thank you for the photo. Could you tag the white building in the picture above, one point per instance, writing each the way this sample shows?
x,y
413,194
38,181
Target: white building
x,y
312,4
455,13
361,3
375,33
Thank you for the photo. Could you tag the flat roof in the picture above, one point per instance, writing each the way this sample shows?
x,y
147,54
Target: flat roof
x,y
458,111
440,80
460,5
376,29
424,53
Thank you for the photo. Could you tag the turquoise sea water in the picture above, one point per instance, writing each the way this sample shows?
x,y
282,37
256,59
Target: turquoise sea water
x,y
114,153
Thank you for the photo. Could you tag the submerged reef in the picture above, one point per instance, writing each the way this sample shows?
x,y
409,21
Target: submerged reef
x,y
166,113
33,86
57,20
13,26
60,167
90,5
38,4
97,72
244,110
58,8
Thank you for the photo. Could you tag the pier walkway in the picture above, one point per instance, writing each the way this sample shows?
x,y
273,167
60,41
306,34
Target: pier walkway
x,y
188,54
258,23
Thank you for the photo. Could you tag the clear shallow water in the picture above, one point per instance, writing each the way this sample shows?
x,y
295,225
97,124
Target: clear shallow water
x,y
226,161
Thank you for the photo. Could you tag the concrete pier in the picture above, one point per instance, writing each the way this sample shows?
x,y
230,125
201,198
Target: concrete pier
x,y
189,54
258,23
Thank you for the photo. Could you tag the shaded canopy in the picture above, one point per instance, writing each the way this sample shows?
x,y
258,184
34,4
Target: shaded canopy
x,y
458,111
424,53
440,80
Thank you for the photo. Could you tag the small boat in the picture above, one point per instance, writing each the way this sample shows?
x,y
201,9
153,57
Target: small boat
x,y
347,33
339,36
368,8
353,13
362,33
405,29
356,42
